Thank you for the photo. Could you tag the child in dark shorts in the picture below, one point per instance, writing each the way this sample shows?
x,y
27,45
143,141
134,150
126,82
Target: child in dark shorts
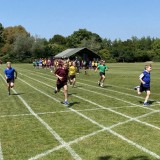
x,y
62,75
9,75
145,83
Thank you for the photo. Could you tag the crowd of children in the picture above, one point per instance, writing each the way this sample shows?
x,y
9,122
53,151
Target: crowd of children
x,y
66,70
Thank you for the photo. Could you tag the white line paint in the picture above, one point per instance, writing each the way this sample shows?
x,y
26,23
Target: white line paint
x,y
70,150
94,92
111,110
46,152
91,86
122,87
94,87
112,132
1,153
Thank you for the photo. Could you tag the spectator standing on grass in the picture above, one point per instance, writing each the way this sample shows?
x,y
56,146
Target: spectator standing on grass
x,y
145,84
62,75
9,75
102,67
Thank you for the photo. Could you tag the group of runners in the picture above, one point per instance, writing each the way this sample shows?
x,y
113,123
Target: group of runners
x,y
66,71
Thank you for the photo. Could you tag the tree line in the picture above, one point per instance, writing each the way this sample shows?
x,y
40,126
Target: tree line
x,y
18,45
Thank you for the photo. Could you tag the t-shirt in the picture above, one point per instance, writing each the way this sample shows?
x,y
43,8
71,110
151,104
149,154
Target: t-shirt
x,y
145,76
72,70
9,72
62,73
102,68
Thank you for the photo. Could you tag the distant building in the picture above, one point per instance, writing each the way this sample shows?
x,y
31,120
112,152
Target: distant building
x,y
81,53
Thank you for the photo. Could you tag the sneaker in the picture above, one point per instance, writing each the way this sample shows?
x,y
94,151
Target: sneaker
x,y
99,83
146,104
9,93
66,103
135,88
55,91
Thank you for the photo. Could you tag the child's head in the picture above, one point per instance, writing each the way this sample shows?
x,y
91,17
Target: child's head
x,y
65,65
148,68
8,64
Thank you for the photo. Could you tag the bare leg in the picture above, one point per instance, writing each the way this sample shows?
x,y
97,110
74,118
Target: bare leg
x,y
147,96
66,92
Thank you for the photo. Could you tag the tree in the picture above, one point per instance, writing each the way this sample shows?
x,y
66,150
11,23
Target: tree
x,y
58,39
1,31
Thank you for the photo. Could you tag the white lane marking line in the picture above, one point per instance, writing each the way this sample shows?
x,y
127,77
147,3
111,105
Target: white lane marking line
x,y
70,150
145,123
91,91
90,85
44,113
1,153
112,132
46,152
98,88
122,87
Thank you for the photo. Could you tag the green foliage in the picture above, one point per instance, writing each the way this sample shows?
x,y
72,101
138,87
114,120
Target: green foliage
x,y
18,44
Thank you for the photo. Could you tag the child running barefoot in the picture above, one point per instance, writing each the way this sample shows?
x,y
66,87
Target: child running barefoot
x,y
9,75
62,75
145,83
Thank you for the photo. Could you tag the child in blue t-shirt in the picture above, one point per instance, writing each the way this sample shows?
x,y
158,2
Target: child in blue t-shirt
x,y
145,83
9,75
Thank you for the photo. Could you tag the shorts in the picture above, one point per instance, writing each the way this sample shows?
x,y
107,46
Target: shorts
x,y
101,74
72,77
10,80
142,88
61,84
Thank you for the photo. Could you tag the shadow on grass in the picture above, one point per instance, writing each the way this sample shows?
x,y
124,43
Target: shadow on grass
x,y
70,94
72,104
16,94
107,86
131,158
150,102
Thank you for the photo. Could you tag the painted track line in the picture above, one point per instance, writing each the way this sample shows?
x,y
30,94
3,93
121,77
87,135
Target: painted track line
x,y
91,86
111,131
1,153
70,150
91,91
87,85
122,87
111,110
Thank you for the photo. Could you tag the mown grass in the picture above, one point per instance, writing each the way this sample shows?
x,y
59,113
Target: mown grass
x,y
82,124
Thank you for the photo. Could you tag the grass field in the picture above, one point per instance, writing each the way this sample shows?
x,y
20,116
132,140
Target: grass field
x,y
107,123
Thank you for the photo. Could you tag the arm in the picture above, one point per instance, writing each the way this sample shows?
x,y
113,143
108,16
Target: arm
x,y
59,77
5,75
140,78
16,74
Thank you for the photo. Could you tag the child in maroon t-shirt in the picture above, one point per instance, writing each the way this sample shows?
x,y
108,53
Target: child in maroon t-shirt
x,y
62,75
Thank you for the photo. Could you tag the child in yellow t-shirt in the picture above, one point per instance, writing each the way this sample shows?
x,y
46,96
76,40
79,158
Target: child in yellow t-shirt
x,y
72,74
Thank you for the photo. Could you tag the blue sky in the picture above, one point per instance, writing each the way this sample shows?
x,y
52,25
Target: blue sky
x,y
112,19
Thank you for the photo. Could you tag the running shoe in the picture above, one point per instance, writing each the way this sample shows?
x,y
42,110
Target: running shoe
x,y
101,85
135,88
55,91
66,103
146,104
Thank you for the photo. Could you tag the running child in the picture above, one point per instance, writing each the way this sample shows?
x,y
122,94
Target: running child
x,y
9,75
145,84
72,74
102,68
62,75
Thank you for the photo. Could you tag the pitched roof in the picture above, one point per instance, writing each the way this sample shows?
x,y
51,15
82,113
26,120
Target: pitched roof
x,y
68,52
